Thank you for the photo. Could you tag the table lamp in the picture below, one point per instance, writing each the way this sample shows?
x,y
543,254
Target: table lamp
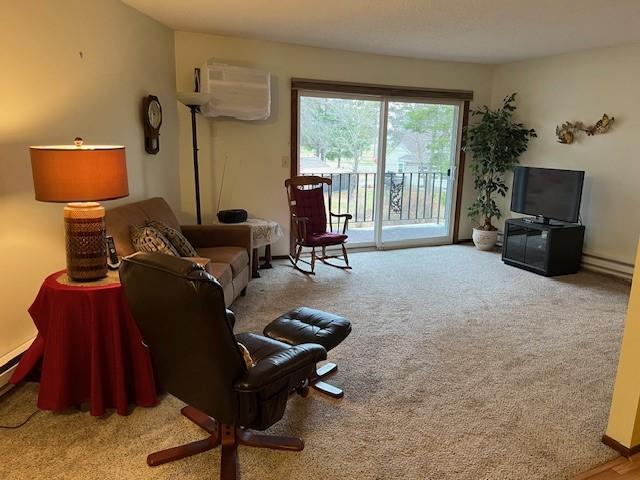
x,y
81,175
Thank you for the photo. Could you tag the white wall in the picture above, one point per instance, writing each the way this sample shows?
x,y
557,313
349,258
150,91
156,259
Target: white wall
x,y
254,150
582,86
49,94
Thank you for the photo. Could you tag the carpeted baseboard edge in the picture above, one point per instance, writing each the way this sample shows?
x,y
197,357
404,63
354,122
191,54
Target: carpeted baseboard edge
x,y
618,447
594,263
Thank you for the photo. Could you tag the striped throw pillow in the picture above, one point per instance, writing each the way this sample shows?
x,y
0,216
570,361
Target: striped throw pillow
x,y
177,239
148,239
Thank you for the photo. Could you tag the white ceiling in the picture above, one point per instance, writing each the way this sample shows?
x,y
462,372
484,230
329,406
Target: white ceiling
x,y
487,31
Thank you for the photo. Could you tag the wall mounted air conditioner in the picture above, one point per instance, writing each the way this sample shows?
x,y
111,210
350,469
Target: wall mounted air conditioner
x,y
238,92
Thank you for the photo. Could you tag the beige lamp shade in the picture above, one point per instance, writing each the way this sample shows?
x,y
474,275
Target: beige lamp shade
x,y
79,173
194,98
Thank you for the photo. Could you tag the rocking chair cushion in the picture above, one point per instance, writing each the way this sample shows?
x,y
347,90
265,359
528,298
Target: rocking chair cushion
x,y
310,204
324,239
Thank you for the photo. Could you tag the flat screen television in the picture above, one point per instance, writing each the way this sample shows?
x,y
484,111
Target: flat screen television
x,y
548,193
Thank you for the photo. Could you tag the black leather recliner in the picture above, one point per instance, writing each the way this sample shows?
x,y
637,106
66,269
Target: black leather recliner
x,y
181,314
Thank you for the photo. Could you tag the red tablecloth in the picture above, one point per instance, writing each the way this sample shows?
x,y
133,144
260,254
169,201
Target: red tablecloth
x,y
90,347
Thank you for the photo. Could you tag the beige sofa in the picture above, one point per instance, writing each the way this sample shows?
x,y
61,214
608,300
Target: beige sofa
x,y
227,247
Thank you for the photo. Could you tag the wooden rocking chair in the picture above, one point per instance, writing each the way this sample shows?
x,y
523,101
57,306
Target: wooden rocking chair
x,y
309,222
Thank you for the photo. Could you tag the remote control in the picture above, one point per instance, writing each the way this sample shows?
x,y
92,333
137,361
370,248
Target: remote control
x,y
113,262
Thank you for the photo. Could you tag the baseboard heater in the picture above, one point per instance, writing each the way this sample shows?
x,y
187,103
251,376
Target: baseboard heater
x,y
608,266
9,363
6,370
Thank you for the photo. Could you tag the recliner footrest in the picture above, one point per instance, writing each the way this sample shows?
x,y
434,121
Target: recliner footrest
x,y
308,325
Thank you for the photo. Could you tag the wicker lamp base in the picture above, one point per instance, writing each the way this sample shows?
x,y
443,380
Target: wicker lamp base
x,y
85,241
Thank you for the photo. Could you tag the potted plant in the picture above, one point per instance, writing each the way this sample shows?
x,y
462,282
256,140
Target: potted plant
x,y
496,143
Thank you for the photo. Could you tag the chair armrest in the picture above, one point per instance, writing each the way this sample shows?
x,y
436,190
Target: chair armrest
x,y
346,216
203,236
300,227
280,365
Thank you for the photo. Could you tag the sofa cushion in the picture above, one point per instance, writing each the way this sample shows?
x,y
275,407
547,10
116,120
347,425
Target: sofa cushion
x,y
199,260
237,257
221,271
148,239
181,244
241,280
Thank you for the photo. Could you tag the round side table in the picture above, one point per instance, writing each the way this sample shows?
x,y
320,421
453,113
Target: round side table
x,y
263,233
88,347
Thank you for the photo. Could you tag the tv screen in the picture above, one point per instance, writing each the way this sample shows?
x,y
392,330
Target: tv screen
x,y
547,192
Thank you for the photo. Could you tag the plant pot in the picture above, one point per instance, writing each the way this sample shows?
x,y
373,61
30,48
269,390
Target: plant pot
x,y
485,239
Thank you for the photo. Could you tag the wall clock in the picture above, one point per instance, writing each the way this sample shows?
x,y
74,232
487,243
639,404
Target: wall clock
x,y
152,116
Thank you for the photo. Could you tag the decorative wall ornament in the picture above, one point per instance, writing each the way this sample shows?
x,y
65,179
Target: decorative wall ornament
x,y
567,131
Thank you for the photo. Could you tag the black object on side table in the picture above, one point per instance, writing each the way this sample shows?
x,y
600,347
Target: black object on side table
x,y
546,248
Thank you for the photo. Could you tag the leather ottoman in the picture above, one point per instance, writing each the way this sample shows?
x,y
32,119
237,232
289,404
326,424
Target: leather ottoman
x,y
308,325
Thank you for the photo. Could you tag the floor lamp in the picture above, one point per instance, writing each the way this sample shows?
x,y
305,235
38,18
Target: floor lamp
x,y
194,100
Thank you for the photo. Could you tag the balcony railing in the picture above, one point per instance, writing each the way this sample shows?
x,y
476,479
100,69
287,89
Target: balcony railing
x,y
418,197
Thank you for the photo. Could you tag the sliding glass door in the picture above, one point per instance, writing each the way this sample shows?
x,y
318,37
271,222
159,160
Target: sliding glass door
x,y
340,139
392,164
419,168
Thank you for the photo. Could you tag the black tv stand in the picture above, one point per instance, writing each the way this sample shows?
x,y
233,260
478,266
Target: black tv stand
x,y
545,248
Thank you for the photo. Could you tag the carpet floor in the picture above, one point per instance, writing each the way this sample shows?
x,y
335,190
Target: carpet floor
x,y
458,367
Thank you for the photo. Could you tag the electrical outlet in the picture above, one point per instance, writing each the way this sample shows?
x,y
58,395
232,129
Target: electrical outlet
x,y
285,161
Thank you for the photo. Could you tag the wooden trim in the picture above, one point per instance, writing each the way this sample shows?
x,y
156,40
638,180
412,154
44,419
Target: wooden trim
x,y
609,467
295,102
380,90
460,173
294,153
617,446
